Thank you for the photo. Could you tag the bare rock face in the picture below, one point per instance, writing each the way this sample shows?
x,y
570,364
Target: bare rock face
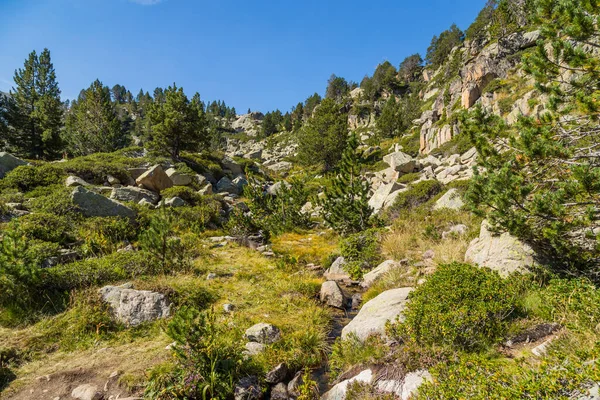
x,y
95,205
503,253
133,307
400,161
8,162
374,314
385,196
155,179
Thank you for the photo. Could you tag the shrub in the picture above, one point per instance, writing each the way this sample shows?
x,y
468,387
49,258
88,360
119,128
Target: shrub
x,y
200,217
460,306
417,194
352,351
208,359
54,199
184,192
46,227
28,177
361,252
103,235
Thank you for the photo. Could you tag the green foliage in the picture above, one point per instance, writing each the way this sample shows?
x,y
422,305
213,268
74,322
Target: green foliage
x,y
323,139
186,193
270,123
54,199
460,306
104,235
411,68
34,110
279,212
208,359
159,240
352,351
417,194
345,205
361,252
92,124
441,46
28,177
337,88
397,115
177,123
46,227
384,79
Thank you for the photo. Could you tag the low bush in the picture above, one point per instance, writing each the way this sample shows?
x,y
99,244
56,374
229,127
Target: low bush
x,y
352,352
417,194
183,192
460,306
29,177
54,199
104,235
46,227
361,252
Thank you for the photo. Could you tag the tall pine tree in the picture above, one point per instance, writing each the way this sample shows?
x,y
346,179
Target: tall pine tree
x,y
346,204
92,124
35,110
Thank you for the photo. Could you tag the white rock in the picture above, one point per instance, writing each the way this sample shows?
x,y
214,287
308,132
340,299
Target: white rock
x,y
382,269
451,199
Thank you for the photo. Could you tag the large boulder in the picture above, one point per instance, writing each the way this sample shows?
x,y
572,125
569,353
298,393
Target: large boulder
x,y
451,199
155,179
241,183
95,205
400,161
248,388
133,307
134,194
74,181
337,272
225,185
232,166
178,178
385,196
374,314
332,295
385,267
503,253
8,162
86,392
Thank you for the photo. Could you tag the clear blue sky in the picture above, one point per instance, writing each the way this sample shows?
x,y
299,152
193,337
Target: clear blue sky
x,y
258,54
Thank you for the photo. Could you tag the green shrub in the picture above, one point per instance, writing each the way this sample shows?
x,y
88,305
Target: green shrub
x,y
184,192
361,252
104,235
408,178
459,144
29,177
46,227
54,199
417,194
460,306
95,168
352,351
197,219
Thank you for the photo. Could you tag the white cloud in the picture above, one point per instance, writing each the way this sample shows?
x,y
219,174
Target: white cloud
x,y
146,2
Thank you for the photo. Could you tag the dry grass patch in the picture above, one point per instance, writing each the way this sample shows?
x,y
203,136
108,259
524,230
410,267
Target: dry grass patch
x,y
306,247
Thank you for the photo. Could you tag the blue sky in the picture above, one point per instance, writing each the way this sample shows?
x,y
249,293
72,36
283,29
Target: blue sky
x,y
252,54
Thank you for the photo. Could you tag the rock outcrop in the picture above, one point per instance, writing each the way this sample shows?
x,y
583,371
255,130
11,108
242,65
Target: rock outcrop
x,y
155,179
8,162
91,204
133,307
134,194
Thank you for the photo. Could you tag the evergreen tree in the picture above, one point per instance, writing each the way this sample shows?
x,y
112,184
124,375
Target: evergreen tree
x,y
310,104
411,68
35,110
441,46
541,181
323,139
177,124
297,116
92,124
388,121
346,204
337,88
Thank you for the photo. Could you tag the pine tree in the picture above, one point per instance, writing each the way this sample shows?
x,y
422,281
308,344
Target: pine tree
x,y
35,109
346,205
387,123
323,139
541,180
92,124
177,124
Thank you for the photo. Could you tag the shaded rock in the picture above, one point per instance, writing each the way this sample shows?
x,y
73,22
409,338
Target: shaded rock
x,y
533,334
281,166
228,307
86,392
134,194
451,199
155,179
400,161
136,172
279,392
226,185
8,162
278,374
382,269
332,295
95,205
74,181
374,314
247,389
175,202
240,182
503,253
293,387
275,188
336,272
178,178
263,333
133,307
146,203
232,166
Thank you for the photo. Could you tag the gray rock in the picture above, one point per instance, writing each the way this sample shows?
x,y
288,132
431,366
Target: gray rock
x,y
226,185
451,199
8,162
384,196
275,188
240,182
593,393
374,314
293,387
74,181
229,164
339,391
279,392
86,392
332,295
336,272
211,276
95,205
133,307
455,230
247,389
382,269
136,172
503,253
175,202
146,203
155,179
112,180
134,194
228,307
281,166
253,348
263,333
400,161
178,178
206,190
278,374
412,382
